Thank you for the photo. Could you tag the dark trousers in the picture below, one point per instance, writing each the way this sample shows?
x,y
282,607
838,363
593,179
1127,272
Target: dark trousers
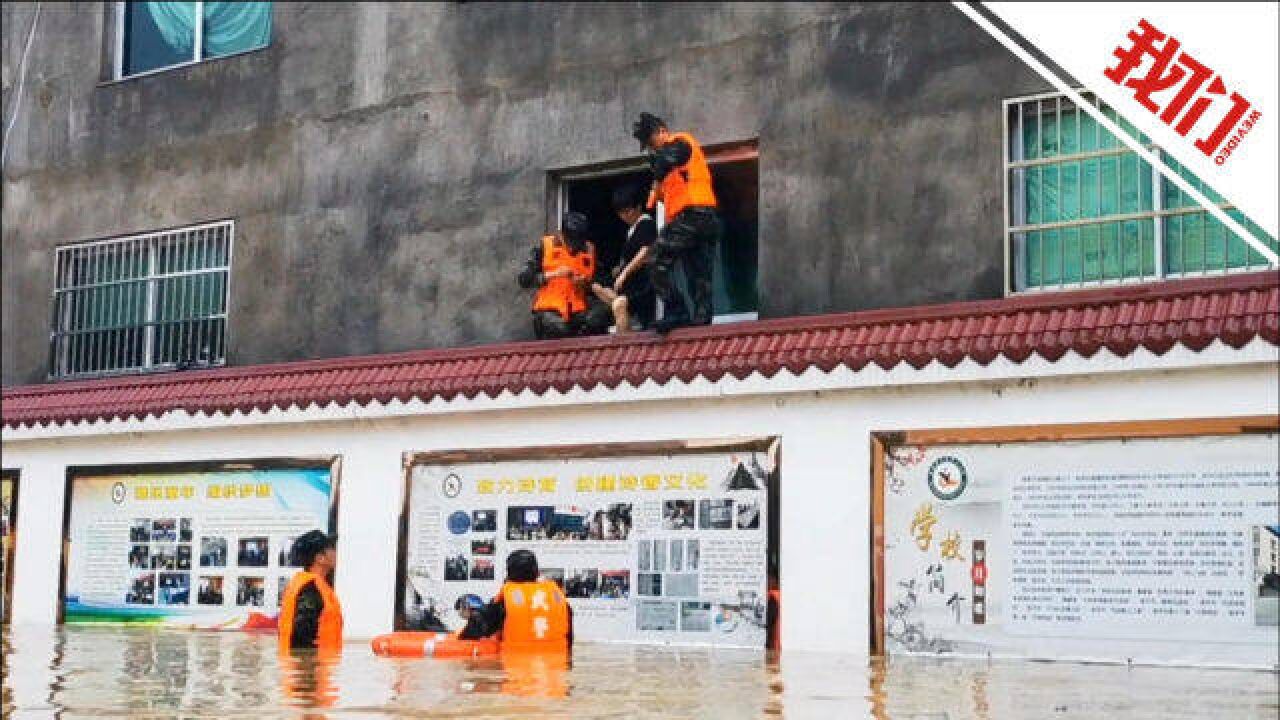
x,y
549,324
689,239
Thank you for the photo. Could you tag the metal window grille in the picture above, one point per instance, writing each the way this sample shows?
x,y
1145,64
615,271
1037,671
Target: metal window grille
x,y
1081,209
141,303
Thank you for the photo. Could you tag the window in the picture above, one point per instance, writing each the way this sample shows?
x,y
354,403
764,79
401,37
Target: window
x,y
735,178
1084,210
145,302
157,35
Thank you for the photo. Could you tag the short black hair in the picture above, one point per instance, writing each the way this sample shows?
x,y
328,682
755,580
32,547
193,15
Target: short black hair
x,y
309,545
626,197
522,566
646,126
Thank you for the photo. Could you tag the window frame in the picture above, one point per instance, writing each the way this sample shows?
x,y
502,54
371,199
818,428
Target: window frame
x,y
716,154
197,47
149,324
1015,228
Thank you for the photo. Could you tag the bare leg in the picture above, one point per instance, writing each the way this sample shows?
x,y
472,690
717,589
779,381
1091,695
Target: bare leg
x,y
606,295
620,320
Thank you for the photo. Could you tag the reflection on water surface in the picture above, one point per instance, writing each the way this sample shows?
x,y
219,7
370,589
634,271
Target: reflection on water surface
x,y
84,672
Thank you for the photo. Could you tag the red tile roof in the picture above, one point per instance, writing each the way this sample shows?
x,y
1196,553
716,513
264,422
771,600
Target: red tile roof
x,y
1193,313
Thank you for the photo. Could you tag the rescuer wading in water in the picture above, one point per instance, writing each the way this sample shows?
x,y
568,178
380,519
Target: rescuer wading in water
x,y
530,612
310,615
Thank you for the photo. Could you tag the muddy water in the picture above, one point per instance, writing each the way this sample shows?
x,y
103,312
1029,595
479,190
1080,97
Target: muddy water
x,y
111,673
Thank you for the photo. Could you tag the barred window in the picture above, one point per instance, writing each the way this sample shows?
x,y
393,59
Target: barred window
x,y
1083,209
156,301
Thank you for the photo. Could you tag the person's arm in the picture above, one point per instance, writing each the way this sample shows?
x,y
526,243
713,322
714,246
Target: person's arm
x,y
485,622
644,235
636,263
306,618
531,275
669,157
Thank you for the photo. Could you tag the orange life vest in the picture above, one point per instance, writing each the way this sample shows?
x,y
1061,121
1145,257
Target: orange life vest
x,y
540,674
537,617
565,295
688,185
329,632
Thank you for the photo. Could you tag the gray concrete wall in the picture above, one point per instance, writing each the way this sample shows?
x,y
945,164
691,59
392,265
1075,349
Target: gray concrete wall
x,y
387,164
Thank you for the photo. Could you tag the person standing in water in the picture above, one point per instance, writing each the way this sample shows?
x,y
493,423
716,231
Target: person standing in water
x,y
310,615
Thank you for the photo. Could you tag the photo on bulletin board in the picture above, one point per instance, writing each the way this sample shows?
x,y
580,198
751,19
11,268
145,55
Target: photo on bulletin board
x,y
193,546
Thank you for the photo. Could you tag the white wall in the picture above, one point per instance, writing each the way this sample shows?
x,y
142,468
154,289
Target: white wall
x,y
825,470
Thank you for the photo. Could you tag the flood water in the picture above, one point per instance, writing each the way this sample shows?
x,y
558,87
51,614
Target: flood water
x,y
91,672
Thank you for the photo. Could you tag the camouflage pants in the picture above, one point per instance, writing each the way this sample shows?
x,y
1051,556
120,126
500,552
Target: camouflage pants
x,y
691,240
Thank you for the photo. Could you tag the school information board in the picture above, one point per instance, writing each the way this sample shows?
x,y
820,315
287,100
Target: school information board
x,y
653,549
188,549
1151,550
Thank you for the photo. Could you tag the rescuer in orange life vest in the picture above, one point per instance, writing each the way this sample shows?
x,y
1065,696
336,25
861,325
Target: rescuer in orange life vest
x,y
531,612
310,615
682,181
562,266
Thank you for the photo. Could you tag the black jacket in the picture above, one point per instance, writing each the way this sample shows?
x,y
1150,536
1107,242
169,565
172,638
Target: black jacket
x,y
488,621
669,157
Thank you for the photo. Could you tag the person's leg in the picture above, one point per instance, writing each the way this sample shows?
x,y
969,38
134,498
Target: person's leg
x,y
604,294
549,325
673,245
641,308
620,323
700,265
663,274
595,320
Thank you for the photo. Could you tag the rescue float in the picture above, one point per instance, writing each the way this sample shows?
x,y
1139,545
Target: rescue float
x,y
433,644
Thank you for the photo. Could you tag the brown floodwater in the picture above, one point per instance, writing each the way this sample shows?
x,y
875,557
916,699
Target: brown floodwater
x,y
88,672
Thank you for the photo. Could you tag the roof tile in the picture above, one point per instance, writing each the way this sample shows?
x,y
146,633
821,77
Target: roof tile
x,y
1194,313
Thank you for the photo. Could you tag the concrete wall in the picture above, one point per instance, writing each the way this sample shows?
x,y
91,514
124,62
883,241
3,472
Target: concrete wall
x,y
387,163
825,485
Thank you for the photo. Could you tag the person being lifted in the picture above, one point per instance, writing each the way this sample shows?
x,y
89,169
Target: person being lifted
x,y
562,266
631,296
682,182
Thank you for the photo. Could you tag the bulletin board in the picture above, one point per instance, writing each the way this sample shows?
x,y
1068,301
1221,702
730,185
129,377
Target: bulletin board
x,y
197,546
1130,542
651,543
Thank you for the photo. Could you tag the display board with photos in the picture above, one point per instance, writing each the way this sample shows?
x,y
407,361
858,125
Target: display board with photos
x,y
1155,550
648,548
8,534
207,549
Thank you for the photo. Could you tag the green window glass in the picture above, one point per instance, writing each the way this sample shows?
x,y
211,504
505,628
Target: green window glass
x,y
1086,210
145,302
157,35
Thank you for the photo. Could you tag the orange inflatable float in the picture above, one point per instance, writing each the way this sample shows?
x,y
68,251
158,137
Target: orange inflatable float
x,y
430,644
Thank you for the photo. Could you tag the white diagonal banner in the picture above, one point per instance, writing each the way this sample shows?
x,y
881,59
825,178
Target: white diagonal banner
x,y
1199,80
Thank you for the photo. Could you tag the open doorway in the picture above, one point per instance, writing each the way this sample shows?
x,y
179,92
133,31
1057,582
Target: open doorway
x,y
735,172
